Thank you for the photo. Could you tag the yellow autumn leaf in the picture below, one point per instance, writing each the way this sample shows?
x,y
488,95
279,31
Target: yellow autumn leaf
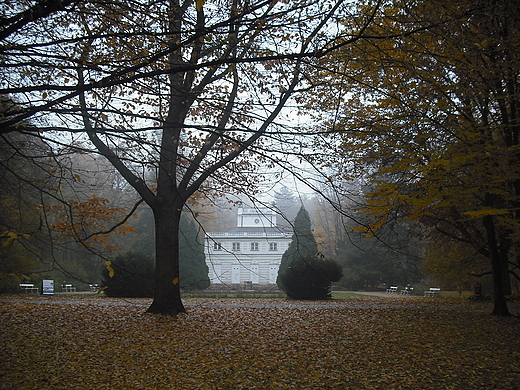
x,y
11,236
101,290
111,271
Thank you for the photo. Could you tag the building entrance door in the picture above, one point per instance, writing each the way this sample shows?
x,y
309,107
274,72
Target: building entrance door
x,y
273,273
235,274
254,274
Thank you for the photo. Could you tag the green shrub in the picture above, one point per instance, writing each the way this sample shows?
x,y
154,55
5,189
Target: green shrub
x,y
303,244
310,278
133,276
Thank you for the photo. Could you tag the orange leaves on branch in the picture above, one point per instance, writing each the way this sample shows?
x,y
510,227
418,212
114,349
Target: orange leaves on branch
x,y
90,222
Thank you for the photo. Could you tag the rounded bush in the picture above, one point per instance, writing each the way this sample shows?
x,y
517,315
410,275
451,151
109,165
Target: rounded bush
x,y
311,278
134,276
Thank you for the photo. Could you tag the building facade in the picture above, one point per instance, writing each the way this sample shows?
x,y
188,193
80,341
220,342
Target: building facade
x,y
249,255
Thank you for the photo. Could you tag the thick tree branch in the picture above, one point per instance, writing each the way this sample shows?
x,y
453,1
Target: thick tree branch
x,y
132,179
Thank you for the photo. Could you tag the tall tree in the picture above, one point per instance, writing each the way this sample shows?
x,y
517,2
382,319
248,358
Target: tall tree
x,y
303,244
434,117
181,89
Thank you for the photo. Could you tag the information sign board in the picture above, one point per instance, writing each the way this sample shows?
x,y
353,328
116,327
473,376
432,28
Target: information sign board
x,y
48,287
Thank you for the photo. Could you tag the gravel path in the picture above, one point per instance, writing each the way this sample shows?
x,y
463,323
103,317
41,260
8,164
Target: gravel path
x,y
365,299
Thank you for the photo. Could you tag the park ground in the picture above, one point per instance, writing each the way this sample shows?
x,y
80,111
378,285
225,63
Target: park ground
x,y
353,342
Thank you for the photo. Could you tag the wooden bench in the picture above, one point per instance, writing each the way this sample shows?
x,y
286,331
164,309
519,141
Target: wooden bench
x,y
69,288
29,288
391,290
433,291
407,291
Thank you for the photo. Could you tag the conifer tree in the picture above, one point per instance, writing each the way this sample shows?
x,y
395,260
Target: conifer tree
x,y
192,261
287,207
303,244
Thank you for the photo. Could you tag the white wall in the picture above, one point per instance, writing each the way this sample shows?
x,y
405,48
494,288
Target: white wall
x,y
232,267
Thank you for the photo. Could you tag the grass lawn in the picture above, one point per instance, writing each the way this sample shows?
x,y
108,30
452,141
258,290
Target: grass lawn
x,y
67,342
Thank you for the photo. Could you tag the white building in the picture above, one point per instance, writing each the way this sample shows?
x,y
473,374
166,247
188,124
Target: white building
x,y
248,255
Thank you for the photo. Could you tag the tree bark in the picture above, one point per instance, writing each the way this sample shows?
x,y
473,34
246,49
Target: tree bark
x,y
167,298
497,268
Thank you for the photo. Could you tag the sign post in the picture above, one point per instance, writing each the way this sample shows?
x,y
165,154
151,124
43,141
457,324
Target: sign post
x,y
48,287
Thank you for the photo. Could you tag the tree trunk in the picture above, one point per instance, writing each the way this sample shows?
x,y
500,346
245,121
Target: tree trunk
x,y
167,299
497,268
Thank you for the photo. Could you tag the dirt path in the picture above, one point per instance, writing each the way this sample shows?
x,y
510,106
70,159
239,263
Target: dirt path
x,y
380,294
372,299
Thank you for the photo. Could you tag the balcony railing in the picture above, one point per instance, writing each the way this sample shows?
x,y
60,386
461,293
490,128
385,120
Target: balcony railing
x,y
248,234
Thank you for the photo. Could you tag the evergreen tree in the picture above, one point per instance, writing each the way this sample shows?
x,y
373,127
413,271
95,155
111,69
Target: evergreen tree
x,y
303,244
286,206
193,269
144,239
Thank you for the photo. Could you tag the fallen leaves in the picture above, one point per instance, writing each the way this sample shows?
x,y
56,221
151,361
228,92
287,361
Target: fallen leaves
x,y
386,343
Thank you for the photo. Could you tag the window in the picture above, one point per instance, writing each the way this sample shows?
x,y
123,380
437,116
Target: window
x,y
217,246
254,246
273,246
236,246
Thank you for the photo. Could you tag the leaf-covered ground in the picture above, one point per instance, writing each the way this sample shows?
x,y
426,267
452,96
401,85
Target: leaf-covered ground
x,y
366,343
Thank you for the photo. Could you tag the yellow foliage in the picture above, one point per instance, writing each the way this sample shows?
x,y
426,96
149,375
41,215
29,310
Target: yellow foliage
x,y
111,271
486,212
11,236
421,119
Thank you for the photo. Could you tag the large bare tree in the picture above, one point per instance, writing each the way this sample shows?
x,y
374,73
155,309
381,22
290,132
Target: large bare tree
x,y
176,95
